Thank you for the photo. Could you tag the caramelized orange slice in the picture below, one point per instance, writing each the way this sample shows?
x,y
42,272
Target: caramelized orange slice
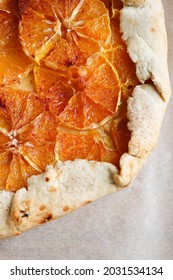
x,y
40,138
98,144
63,33
83,97
14,64
27,137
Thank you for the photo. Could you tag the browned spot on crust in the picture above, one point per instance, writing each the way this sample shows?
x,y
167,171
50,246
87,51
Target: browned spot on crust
x,y
24,214
47,179
17,234
26,204
46,219
153,30
87,202
66,208
52,189
131,166
42,207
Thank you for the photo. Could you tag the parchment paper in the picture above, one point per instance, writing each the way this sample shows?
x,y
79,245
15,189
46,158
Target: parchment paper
x,y
136,223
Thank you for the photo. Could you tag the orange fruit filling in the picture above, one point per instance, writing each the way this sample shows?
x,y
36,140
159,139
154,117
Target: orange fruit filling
x,y
81,78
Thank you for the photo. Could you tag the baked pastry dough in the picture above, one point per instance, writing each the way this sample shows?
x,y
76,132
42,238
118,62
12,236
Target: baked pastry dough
x,y
66,186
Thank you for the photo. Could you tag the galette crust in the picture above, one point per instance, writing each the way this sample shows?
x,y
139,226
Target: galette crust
x,y
71,185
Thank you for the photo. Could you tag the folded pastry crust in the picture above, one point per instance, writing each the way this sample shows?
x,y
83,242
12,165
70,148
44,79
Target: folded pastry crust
x,y
70,185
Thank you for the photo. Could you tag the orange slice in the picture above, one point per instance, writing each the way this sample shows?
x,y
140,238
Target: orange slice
x,y
39,138
83,97
63,33
14,64
27,137
98,144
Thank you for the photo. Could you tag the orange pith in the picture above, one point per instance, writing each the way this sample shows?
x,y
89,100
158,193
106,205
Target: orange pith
x,y
82,77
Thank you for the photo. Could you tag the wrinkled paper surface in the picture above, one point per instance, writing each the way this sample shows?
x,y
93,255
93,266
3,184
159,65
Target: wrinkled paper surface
x,y
136,223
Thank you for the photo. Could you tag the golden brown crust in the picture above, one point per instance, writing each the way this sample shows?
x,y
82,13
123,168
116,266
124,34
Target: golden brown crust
x,y
71,185
74,185
145,35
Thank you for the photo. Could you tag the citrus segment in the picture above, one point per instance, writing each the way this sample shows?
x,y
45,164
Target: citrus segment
x,y
102,84
37,34
54,87
90,10
70,147
38,141
5,122
47,7
38,155
100,153
73,113
3,140
5,160
95,114
20,107
4,143
13,63
19,171
96,29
